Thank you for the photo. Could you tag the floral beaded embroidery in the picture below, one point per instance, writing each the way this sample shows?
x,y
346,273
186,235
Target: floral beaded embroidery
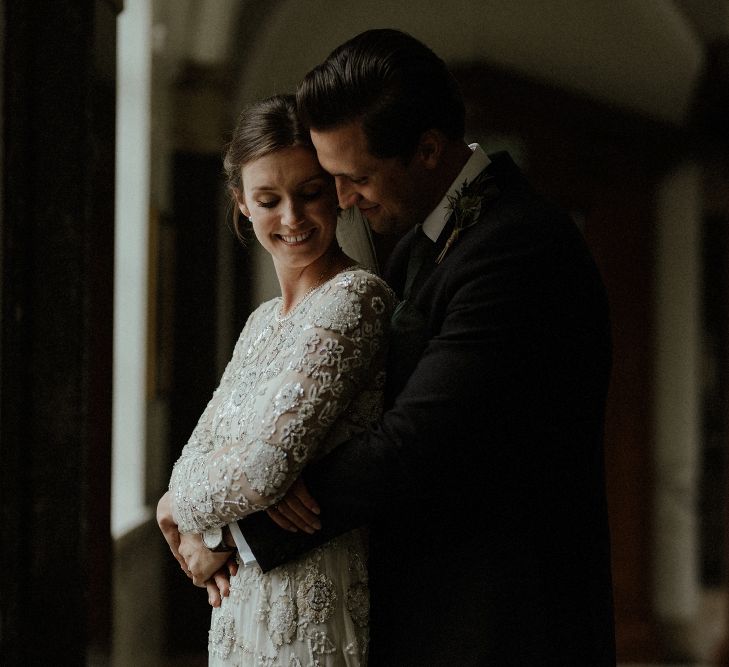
x,y
290,393
282,620
358,603
222,635
315,598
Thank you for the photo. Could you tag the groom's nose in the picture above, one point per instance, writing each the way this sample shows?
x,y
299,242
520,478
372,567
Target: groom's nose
x,y
346,192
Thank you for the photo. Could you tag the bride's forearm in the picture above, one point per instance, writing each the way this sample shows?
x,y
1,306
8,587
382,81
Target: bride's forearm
x,y
209,490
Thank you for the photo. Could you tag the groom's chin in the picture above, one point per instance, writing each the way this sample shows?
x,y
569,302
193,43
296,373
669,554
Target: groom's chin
x,y
382,223
369,211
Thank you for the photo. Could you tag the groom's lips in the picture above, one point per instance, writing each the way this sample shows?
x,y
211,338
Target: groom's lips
x,y
364,209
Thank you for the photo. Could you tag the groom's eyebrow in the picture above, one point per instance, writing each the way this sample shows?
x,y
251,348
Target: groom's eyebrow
x,y
336,173
342,174
315,177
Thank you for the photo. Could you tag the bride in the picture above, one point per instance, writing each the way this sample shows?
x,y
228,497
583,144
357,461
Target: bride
x,y
306,373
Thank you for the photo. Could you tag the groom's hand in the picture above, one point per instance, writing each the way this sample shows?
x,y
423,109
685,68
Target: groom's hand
x,y
297,510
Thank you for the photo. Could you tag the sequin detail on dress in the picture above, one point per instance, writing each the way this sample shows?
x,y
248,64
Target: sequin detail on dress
x,y
292,391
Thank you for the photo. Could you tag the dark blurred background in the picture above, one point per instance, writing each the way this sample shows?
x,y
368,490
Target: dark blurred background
x,y
123,287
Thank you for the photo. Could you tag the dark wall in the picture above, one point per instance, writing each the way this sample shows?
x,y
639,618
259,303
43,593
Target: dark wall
x,y
58,101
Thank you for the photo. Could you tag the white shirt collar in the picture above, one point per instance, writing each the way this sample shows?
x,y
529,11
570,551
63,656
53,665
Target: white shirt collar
x,y
434,223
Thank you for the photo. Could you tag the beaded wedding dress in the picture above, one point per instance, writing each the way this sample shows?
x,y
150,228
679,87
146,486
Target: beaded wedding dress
x,y
294,388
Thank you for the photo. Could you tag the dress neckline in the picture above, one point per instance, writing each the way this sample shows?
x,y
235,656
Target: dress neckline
x,y
280,319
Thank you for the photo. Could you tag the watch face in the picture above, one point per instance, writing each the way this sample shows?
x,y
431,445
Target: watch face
x,y
212,538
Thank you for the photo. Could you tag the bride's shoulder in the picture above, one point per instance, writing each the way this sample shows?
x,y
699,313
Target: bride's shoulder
x,y
261,316
359,281
265,310
352,296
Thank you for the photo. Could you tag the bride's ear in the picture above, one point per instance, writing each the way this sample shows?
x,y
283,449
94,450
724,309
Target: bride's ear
x,y
240,202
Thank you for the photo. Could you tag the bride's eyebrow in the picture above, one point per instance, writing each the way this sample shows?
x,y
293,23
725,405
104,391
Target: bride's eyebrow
x,y
262,189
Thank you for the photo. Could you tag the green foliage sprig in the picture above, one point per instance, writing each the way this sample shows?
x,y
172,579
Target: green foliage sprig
x,y
465,206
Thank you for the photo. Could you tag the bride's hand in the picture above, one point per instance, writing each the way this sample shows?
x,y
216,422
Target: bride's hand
x,y
201,563
296,510
219,586
169,528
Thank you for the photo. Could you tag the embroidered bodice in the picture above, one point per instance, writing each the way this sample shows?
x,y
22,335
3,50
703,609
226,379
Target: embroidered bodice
x,y
294,388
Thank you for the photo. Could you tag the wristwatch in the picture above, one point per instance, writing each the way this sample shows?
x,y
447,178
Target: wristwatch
x,y
213,540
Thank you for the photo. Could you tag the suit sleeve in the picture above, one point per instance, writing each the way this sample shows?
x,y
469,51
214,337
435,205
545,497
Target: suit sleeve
x,y
506,315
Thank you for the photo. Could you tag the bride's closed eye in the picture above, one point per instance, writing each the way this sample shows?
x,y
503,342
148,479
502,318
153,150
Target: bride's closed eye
x,y
306,195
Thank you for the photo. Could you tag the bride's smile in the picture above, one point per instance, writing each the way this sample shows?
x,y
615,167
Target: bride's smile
x,y
297,238
292,205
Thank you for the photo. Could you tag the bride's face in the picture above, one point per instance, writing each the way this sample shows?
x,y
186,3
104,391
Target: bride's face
x,y
292,204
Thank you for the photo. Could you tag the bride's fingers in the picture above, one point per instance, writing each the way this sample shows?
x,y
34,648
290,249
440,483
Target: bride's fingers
x,y
214,598
302,516
299,490
221,581
293,517
279,519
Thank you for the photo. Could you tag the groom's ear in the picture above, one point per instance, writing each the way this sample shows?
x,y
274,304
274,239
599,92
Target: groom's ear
x,y
430,148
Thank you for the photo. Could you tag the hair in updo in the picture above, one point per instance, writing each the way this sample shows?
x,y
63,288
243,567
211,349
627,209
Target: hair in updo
x,y
262,128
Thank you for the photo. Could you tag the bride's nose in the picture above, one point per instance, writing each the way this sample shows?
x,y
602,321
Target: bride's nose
x,y
293,215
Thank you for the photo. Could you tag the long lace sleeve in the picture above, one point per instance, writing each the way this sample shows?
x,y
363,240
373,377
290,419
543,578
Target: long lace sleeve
x,y
335,354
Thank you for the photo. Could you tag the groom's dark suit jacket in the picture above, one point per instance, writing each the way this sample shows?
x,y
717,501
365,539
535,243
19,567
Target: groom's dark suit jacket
x,y
483,485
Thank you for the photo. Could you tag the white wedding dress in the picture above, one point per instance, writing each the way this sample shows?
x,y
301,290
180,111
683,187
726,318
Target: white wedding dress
x,y
294,388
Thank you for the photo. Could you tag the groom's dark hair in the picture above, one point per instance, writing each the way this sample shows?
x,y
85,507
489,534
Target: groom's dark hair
x,y
390,82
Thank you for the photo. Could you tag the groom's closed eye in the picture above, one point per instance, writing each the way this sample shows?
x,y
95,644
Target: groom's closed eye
x,y
311,195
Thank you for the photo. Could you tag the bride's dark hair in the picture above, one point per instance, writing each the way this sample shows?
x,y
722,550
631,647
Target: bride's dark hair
x,y
262,128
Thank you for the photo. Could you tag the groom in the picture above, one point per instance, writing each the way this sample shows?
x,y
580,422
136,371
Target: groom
x,y
483,483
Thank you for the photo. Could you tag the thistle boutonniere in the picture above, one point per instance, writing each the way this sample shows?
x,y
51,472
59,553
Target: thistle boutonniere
x,y
465,206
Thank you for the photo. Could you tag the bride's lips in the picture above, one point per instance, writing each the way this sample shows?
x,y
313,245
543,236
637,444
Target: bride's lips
x,y
296,239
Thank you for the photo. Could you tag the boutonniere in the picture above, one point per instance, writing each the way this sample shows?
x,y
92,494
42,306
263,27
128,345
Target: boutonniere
x,y
465,206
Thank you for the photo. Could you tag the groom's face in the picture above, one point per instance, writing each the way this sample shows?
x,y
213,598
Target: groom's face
x,y
387,192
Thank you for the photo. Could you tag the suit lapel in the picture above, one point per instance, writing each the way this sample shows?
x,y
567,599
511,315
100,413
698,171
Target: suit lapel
x,y
427,266
503,172
489,194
